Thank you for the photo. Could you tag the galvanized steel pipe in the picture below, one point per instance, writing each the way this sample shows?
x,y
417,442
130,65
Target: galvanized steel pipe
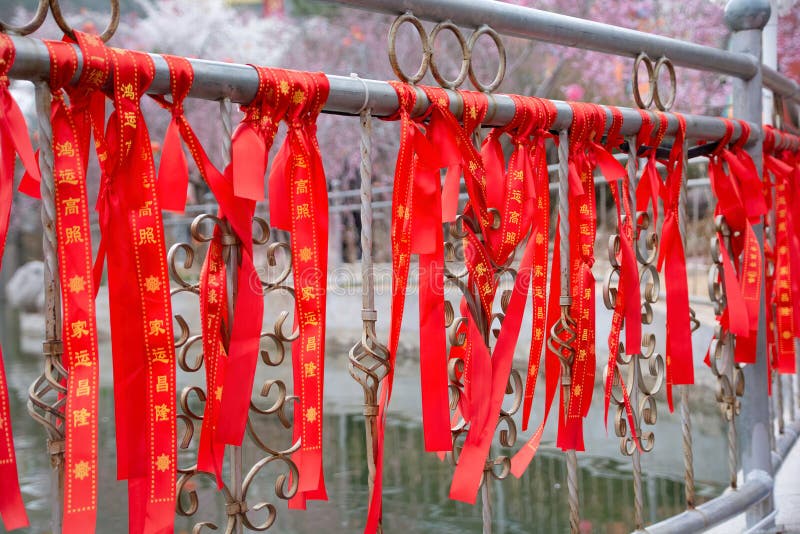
x,y
215,80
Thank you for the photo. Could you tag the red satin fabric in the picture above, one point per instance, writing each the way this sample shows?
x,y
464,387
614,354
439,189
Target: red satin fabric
x,y
732,171
13,141
781,283
297,174
79,330
672,258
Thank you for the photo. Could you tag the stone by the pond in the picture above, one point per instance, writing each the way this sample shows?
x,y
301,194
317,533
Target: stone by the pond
x,y
25,289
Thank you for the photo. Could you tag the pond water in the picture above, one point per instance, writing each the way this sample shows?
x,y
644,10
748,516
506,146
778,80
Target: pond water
x,y
416,484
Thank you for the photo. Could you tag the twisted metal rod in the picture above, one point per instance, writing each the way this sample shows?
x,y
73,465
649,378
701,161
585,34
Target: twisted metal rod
x,y
779,401
632,167
368,359
236,476
49,383
733,465
486,502
686,415
572,488
566,352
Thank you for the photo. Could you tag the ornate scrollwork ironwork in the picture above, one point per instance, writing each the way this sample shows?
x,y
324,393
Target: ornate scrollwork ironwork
x,y
274,392
497,466
730,378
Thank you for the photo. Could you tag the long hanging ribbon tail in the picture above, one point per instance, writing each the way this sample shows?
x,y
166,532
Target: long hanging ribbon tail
x,y
13,140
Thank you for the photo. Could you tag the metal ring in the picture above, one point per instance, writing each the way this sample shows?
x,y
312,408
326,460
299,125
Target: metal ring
x,y
67,29
426,49
662,63
32,25
465,56
501,52
636,95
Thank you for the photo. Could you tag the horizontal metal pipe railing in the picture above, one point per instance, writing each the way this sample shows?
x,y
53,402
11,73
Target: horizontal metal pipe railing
x,y
780,84
214,80
730,504
534,24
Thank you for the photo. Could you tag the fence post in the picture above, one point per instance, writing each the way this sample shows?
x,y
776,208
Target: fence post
x,y
747,19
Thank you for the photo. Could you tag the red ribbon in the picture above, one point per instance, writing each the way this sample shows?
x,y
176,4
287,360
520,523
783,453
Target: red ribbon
x,y
742,279
628,298
79,330
133,232
418,205
298,175
172,184
672,258
13,140
520,195
781,291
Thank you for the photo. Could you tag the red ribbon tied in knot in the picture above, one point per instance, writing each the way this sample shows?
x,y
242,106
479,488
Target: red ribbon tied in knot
x,y
733,173
297,175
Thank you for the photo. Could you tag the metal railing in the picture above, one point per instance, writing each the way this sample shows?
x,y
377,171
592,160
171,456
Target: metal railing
x,y
236,83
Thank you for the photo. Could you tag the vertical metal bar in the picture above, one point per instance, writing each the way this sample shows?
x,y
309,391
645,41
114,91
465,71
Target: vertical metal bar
x,y
747,18
367,274
686,416
778,394
566,302
486,502
232,270
52,346
638,512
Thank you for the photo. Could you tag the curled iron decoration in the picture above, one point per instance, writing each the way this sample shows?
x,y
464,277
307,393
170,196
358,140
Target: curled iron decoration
x,y
274,393
497,465
655,95
429,60
730,378
32,25
111,28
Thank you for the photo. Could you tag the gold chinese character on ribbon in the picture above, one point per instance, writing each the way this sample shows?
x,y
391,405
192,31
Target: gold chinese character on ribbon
x,y
127,91
67,176
303,211
65,149
311,318
70,206
81,359
79,329
159,355
157,327
301,186
311,343
162,412
83,387
129,119
80,417
147,236
161,384
147,209
309,369
73,234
